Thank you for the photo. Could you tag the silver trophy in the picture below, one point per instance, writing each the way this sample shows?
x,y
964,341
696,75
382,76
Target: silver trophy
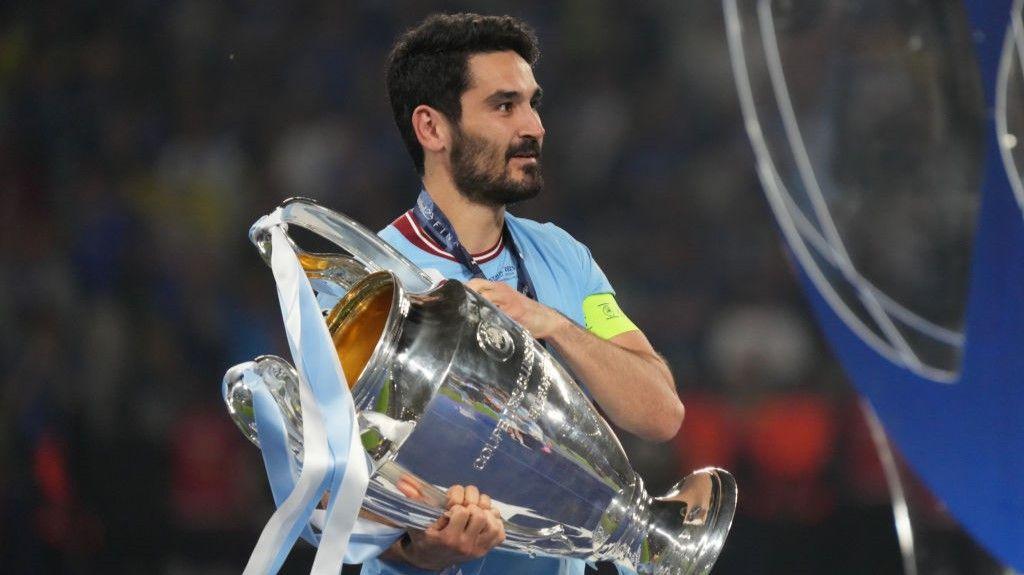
x,y
449,390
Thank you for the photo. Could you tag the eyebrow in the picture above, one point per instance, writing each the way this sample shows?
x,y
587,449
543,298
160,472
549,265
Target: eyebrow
x,y
503,95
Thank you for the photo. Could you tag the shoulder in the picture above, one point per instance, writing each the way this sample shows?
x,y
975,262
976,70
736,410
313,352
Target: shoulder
x,y
399,234
398,228
567,260
547,234
390,234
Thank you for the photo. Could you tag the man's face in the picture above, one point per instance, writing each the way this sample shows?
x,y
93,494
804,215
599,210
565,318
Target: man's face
x,y
496,146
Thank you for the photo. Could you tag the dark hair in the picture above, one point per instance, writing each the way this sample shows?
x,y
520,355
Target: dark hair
x,y
428,64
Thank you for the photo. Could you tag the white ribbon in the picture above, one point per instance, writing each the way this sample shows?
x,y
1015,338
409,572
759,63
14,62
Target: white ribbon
x,y
333,458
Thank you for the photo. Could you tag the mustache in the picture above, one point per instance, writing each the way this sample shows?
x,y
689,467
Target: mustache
x,y
528,147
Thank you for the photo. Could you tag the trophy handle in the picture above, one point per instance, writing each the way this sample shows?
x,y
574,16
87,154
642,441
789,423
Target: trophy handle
x,y
368,252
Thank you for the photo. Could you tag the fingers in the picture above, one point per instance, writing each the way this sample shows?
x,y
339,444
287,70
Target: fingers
x,y
472,496
462,533
470,519
493,534
483,529
469,510
478,522
499,298
439,525
456,493
494,292
468,495
458,518
481,286
538,319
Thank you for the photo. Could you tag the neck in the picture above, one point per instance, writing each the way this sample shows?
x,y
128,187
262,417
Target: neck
x,y
478,226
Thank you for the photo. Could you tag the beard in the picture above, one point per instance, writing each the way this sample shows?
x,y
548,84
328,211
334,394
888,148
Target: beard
x,y
483,175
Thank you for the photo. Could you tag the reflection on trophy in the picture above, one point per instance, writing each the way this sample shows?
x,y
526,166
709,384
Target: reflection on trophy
x,y
449,390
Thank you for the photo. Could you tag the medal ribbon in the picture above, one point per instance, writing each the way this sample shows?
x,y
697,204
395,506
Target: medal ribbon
x,y
433,220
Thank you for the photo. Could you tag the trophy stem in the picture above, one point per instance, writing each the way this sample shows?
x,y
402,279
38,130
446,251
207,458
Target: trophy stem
x,y
682,532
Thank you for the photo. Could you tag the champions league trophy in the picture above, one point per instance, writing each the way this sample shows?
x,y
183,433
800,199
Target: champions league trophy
x,y
449,390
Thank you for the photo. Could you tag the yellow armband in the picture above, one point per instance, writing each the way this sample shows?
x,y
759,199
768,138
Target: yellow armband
x,y
603,316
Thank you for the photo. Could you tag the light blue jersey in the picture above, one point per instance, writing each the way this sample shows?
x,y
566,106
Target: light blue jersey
x,y
562,270
563,274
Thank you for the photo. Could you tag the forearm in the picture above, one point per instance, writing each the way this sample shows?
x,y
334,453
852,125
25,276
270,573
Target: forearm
x,y
635,388
396,552
404,551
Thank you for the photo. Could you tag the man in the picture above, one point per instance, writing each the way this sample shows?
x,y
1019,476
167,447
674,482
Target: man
x,y
465,101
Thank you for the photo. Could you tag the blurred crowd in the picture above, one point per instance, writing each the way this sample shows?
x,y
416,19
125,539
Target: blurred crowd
x,y
138,141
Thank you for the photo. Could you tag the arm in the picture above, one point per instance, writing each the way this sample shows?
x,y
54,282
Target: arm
x,y
627,378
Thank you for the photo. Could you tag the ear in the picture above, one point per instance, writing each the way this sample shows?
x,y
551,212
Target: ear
x,y
432,128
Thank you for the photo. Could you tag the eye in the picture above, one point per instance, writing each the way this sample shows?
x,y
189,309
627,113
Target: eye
x,y
505,107
536,104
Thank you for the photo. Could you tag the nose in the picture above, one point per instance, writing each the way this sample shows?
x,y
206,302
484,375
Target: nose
x,y
532,126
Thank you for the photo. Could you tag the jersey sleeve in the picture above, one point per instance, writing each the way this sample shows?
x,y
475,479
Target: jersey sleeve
x,y
594,280
601,313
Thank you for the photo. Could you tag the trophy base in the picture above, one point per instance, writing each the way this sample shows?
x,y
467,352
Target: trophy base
x,y
689,525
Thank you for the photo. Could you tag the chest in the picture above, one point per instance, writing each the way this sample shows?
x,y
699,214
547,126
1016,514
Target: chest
x,y
554,290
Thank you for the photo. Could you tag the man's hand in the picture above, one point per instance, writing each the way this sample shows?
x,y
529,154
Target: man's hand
x,y
624,375
468,529
538,319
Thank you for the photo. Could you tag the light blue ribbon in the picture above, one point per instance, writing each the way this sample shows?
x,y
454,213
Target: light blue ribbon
x,y
368,539
330,433
277,457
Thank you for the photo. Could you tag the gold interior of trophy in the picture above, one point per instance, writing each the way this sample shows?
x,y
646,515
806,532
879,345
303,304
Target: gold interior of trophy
x,y
357,322
313,262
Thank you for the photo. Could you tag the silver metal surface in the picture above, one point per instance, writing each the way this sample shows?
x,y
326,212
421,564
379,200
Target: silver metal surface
x,y
455,392
368,252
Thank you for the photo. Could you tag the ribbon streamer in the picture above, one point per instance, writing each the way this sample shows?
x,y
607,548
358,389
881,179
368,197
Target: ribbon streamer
x,y
333,458
282,472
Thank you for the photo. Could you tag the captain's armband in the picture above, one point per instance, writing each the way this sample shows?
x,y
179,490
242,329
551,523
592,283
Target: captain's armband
x,y
604,317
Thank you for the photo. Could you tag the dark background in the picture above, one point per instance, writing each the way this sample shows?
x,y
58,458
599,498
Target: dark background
x,y
139,140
